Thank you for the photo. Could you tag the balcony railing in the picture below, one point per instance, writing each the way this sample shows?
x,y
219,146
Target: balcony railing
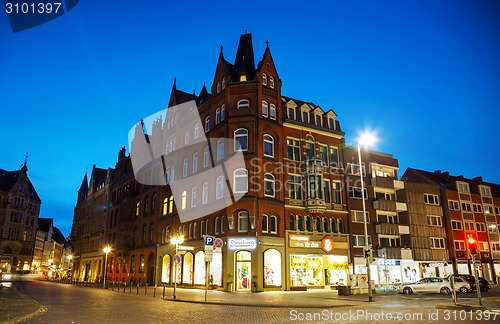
x,y
395,253
401,207
399,184
392,229
383,204
383,182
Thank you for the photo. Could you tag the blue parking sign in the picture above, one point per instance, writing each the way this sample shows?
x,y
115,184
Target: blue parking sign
x,y
209,240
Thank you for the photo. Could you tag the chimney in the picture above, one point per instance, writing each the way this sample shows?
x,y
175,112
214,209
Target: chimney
x,y
437,172
479,179
446,174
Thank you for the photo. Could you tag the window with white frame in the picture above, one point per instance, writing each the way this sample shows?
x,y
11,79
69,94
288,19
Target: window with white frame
x,y
186,137
205,193
264,79
241,139
265,223
389,241
220,187
218,86
488,209
185,168
357,216
319,120
483,246
355,192
354,169
190,231
477,208
220,149
388,218
466,207
433,220
217,222
223,83
485,191
271,82
242,104
293,149
331,123
431,199
305,116
359,240
195,162
183,200
240,181
456,225
243,221
197,130
295,186
437,243
269,189
291,113
334,156
469,226
326,191
497,210
323,154
495,246
193,196
454,205
222,225
337,192
217,116
274,224
268,145
265,109
272,111
223,112
492,228
459,245
463,187
207,124
480,227
206,157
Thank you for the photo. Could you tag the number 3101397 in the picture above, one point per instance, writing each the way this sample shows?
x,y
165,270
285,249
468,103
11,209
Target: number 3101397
x,y
32,8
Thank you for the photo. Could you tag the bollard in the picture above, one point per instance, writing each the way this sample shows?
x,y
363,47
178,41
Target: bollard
x,y
146,289
137,289
130,290
163,291
154,292
124,286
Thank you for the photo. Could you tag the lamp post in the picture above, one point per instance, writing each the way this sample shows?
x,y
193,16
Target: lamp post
x,y
106,250
176,241
365,139
69,257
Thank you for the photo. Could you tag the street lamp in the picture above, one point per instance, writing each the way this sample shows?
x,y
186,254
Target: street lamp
x,y
365,139
106,250
176,241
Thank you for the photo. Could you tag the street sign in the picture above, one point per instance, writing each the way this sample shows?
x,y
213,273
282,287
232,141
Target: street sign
x,y
186,248
218,243
209,240
177,259
209,256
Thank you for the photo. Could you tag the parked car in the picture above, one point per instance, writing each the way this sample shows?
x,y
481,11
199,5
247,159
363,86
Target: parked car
x,y
483,283
434,285
24,275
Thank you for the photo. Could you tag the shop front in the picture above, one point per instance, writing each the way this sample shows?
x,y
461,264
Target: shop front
x,y
317,261
436,269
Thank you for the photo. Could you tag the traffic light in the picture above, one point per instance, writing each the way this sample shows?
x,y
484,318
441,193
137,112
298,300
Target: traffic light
x,y
369,255
471,241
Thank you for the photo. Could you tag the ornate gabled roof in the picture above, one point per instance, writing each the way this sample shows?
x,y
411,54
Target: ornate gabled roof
x,y
44,224
85,184
244,62
203,93
8,179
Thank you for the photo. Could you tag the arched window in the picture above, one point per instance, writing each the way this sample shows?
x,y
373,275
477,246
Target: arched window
x,y
187,268
137,208
220,187
341,225
202,228
265,223
334,225
166,238
218,86
243,221
132,264
223,83
220,149
165,206
195,162
272,268
300,223
185,168
308,224
153,205
206,157
243,104
272,111
146,204
207,124
269,188
217,116
271,82
205,193
165,269
190,230
194,230
264,79
240,181
199,268
197,131
171,204
222,224
241,139
186,138
265,109
274,225
326,225
183,200
172,177
319,223
193,196
292,222
268,145
217,222
167,175
151,232
223,112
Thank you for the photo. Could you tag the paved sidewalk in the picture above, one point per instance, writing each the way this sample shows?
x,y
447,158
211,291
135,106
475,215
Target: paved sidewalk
x,y
15,306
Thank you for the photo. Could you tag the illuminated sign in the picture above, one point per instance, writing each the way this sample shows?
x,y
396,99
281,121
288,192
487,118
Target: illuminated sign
x,y
242,243
388,262
327,244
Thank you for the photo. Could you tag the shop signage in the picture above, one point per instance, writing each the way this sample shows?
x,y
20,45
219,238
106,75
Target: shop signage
x,y
242,243
388,262
209,255
485,256
438,264
327,244
305,244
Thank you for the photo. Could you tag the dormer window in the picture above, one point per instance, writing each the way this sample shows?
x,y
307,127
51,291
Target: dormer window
x,y
223,83
243,78
264,79
243,104
218,86
305,117
331,123
291,113
318,120
271,82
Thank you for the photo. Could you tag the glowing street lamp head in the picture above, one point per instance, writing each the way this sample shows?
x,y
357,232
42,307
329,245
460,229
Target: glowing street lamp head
x,y
107,249
177,240
367,138
70,257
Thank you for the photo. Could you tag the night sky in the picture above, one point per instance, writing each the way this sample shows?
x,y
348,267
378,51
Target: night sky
x,y
425,75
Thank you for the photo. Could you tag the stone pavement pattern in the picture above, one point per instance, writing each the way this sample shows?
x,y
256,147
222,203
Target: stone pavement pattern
x,y
70,304
13,305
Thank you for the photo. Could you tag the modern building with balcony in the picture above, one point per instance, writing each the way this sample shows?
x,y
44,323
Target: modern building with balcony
x,y
386,215
469,207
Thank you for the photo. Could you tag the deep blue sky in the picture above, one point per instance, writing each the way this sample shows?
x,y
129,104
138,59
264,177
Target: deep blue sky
x,y
424,74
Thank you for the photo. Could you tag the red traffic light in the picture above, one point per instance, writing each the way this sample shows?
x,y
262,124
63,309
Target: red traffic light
x,y
471,240
472,244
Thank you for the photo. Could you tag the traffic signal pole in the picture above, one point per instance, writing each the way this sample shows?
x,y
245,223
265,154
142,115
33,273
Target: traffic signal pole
x,y
477,280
